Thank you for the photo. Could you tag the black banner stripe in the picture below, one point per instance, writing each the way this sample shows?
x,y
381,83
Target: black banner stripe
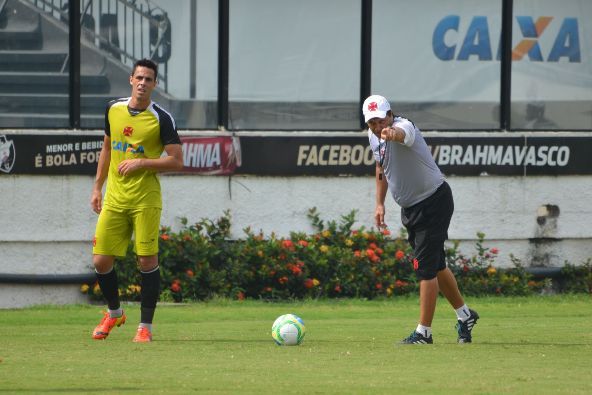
x,y
299,155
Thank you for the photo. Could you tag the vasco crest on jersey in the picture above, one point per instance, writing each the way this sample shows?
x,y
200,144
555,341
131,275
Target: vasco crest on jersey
x,y
127,131
7,154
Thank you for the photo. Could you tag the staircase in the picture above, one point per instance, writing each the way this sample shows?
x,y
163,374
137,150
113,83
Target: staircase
x,y
34,79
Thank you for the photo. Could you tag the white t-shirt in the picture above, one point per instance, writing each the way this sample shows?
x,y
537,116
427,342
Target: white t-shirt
x,y
410,170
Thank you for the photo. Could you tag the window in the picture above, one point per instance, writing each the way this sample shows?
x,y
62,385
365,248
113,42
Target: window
x,y
294,64
436,61
182,39
551,70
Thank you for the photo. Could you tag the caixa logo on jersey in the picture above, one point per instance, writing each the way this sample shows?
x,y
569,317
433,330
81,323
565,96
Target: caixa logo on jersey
x,y
7,154
127,147
449,42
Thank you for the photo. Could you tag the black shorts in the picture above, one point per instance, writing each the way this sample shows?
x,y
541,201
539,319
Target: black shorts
x,y
427,224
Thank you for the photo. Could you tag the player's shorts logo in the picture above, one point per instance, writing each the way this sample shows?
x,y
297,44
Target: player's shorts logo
x,y
7,154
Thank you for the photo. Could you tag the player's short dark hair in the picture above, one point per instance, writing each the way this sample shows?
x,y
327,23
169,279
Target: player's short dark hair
x,y
146,63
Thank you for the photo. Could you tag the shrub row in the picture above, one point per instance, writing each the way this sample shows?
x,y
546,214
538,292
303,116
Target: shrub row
x,y
200,261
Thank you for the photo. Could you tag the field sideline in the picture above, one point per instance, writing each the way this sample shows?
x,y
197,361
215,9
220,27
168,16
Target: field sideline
x,y
535,345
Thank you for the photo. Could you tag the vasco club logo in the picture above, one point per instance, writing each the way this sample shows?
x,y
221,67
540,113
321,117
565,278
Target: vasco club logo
x,y
7,154
128,130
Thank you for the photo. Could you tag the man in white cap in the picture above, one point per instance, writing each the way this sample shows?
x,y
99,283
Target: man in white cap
x,y
405,166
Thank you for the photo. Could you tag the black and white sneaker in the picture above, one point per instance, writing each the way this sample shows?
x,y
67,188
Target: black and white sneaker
x,y
417,338
464,328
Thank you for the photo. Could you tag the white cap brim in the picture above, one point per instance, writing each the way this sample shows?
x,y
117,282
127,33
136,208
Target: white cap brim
x,y
374,114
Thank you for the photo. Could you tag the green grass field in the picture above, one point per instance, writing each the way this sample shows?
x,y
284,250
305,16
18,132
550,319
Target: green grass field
x,y
536,345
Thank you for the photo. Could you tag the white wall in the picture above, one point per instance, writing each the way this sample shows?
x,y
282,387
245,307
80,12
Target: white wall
x,y
46,223
504,208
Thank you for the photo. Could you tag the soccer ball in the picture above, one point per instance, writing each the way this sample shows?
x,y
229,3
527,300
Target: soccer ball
x,y
288,330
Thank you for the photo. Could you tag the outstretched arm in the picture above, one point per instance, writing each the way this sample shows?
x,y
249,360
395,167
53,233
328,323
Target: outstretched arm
x,y
381,188
403,132
393,133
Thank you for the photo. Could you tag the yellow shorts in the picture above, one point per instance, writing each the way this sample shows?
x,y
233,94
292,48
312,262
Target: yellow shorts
x,y
116,225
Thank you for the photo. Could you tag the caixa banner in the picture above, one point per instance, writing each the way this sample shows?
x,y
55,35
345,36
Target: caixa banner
x,y
301,155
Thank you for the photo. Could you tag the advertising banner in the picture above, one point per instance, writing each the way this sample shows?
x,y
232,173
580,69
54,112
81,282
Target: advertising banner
x,y
79,154
309,155
526,156
49,154
463,156
211,155
454,53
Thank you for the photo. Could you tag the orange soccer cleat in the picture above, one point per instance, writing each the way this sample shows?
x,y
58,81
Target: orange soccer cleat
x,y
107,323
143,335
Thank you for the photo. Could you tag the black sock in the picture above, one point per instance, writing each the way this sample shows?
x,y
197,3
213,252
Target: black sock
x,y
109,288
150,293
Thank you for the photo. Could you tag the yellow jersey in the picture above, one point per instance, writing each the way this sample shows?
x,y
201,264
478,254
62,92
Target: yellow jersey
x,y
136,134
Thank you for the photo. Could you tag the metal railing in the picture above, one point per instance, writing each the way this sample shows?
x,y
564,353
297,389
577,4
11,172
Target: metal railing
x,y
127,30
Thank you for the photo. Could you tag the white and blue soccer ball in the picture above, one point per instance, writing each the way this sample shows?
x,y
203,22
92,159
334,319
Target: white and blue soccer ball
x,y
288,330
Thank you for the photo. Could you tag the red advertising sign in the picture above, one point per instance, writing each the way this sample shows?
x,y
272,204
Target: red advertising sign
x,y
211,155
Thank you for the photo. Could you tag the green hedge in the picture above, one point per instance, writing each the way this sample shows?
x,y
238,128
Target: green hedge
x,y
200,261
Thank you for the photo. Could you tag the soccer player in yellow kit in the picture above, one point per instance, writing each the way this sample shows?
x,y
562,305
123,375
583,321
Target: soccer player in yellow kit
x,y
137,131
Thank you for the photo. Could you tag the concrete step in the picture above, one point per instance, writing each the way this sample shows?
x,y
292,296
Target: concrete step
x,y
32,60
39,82
51,103
29,121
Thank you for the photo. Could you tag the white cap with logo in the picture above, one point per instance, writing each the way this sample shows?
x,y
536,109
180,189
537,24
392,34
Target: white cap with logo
x,y
375,106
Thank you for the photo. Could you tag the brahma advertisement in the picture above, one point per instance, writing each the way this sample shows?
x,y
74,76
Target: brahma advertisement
x,y
211,155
